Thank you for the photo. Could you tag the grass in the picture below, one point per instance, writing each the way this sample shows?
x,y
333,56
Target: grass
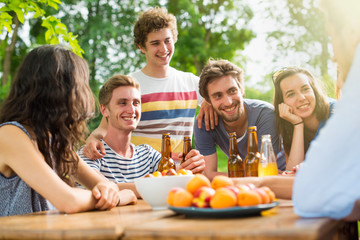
x,y
222,160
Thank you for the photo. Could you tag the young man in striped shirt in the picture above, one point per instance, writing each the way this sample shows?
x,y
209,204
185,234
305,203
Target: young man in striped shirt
x,y
120,105
169,96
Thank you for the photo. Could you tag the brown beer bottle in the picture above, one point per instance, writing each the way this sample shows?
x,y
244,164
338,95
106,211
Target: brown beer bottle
x,y
236,166
187,148
253,156
166,162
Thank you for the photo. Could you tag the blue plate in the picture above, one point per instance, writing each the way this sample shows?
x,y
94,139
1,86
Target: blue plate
x,y
223,212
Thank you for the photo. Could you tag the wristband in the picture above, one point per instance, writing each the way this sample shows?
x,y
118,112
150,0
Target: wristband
x,y
298,123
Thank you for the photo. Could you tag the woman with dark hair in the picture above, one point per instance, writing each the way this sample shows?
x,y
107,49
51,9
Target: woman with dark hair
x,y
41,123
301,110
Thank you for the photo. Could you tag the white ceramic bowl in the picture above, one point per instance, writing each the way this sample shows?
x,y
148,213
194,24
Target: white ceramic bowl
x,y
155,190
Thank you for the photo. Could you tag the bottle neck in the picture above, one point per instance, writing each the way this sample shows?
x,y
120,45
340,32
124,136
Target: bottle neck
x,y
187,146
233,147
252,143
267,151
166,148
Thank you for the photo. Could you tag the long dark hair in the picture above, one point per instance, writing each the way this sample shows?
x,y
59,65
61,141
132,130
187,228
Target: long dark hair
x,y
283,127
51,96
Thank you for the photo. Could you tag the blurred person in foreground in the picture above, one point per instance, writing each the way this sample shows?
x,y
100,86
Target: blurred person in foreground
x,y
328,182
120,105
41,122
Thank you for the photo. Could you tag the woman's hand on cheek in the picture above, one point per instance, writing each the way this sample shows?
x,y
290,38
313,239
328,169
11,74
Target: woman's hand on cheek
x,y
286,113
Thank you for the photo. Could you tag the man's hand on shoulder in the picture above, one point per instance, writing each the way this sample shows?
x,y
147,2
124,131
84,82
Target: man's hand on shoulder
x,y
92,148
210,116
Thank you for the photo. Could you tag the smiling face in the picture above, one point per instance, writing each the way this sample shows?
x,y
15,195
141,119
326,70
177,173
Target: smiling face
x,y
226,98
159,47
124,109
299,95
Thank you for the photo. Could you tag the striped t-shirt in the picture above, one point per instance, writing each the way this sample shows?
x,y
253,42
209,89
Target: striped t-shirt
x,y
168,105
119,169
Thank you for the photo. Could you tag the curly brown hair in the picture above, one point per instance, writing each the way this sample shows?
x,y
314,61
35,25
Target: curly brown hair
x,y
153,20
215,69
285,128
50,95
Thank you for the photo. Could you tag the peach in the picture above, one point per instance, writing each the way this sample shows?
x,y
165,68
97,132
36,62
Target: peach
x,y
251,186
242,187
248,198
234,189
184,172
157,174
265,199
182,198
270,193
221,181
223,198
171,195
202,197
199,180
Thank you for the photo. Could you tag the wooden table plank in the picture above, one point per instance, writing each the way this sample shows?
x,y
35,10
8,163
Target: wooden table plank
x,y
284,224
89,225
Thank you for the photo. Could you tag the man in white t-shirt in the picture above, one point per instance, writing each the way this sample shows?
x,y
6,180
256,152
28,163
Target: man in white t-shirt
x,y
169,96
328,182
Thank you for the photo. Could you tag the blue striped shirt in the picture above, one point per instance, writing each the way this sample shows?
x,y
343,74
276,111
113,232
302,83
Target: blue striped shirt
x,y
119,169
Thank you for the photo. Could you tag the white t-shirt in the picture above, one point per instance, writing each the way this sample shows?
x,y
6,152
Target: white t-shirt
x,y
168,105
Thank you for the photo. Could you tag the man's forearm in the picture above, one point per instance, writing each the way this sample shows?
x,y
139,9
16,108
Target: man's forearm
x,y
281,185
100,131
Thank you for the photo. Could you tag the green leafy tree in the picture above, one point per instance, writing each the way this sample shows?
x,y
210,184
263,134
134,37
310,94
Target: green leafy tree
x,y
105,33
209,29
104,30
12,16
302,30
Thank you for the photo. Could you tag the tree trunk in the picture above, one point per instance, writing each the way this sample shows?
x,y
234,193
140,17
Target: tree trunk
x,y
324,57
9,52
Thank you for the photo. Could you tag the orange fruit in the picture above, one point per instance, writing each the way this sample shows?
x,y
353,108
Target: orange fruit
x,y
184,172
265,199
223,198
221,181
270,193
199,180
248,198
171,194
157,174
182,198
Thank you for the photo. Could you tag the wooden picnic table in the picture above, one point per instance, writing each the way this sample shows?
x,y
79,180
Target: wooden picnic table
x,y
141,222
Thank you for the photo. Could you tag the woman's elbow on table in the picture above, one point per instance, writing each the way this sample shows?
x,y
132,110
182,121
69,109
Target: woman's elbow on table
x,y
77,201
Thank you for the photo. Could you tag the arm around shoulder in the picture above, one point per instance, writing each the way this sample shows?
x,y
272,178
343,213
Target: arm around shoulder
x,y
93,143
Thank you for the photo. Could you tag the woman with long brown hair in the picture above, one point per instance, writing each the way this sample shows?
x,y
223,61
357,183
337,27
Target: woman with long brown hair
x,y
301,110
41,123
